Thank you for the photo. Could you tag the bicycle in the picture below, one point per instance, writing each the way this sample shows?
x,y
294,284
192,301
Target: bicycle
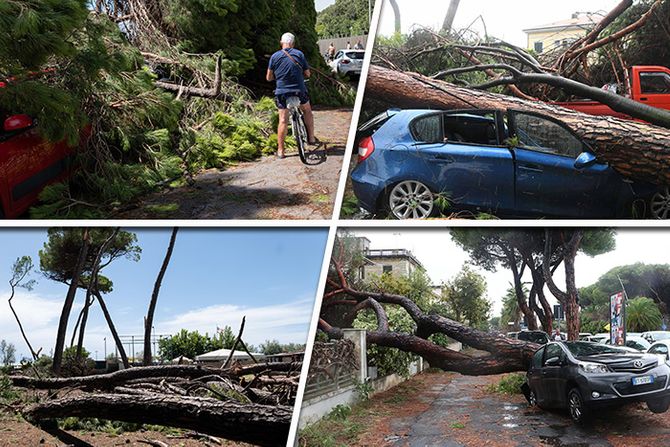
x,y
298,126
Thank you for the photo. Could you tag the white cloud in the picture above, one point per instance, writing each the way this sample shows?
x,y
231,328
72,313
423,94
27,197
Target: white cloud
x,y
39,316
286,322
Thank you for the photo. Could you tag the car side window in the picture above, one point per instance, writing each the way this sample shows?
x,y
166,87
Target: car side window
x,y
658,349
553,351
635,345
474,128
543,135
655,82
338,55
537,358
428,129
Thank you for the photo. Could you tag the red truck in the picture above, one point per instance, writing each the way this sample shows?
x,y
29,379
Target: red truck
x,y
649,85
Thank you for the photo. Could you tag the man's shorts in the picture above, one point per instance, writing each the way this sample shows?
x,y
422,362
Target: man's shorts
x,y
280,99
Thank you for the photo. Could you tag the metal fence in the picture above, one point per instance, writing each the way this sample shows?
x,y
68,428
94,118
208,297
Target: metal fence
x,y
334,367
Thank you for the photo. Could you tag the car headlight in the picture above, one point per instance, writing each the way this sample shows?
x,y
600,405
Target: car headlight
x,y
593,368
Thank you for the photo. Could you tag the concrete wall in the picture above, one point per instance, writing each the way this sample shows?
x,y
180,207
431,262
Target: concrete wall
x,y
341,42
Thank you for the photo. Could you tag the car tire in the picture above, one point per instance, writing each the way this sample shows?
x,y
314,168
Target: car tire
x,y
659,405
578,411
659,204
409,199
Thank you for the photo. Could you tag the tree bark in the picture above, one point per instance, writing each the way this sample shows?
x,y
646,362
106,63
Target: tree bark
x,y
148,322
451,15
637,150
112,329
69,301
253,423
396,15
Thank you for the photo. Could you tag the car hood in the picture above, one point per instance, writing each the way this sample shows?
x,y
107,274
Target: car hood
x,y
623,361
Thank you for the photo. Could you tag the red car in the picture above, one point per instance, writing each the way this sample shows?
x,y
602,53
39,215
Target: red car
x,y
649,85
28,163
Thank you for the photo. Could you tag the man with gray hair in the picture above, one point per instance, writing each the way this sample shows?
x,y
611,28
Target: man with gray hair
x,y
289,68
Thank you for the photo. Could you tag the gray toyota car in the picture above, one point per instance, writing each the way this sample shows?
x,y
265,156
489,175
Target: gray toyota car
x,y
582,376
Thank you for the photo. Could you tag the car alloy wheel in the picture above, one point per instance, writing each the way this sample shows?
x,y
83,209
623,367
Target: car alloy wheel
x,y
576,406
411,200
660,204
532,398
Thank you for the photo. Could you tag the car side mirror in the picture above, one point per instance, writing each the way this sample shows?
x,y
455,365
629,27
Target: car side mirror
x,y
584,160
554,361
18,122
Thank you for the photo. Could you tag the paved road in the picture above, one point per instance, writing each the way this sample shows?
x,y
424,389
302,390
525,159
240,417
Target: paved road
x,y
461,412
268,188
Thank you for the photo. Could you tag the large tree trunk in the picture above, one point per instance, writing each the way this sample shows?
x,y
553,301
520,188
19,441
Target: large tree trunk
x,y
69,301
636,150
112,329
252,423
148,322
451,15
396,14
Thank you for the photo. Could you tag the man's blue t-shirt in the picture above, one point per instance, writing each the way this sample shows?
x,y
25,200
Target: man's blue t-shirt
x,y
289,75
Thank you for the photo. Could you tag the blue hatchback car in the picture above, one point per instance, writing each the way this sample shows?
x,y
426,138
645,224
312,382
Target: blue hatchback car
x,y
508,163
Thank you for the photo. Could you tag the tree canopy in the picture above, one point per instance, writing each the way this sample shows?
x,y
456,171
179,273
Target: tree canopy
x,y
344,18
192,343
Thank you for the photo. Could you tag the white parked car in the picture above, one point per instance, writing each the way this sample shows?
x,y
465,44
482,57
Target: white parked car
x,y
661,349
348,62
636,342
599,338
652,336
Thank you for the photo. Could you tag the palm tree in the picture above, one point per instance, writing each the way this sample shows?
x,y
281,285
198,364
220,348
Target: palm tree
x,y
642,314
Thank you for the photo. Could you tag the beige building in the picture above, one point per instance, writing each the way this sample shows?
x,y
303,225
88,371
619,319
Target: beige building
x,y
557,35
395,261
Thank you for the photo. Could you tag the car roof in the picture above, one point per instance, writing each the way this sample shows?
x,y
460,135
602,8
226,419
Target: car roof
x,y
662,342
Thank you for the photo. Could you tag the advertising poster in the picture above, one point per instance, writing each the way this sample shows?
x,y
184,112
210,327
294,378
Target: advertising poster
x,y
617,316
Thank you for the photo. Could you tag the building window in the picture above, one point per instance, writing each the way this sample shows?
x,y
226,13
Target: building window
x,y
387,269
538,47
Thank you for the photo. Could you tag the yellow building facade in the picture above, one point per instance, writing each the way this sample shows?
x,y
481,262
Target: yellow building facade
x,y
557,35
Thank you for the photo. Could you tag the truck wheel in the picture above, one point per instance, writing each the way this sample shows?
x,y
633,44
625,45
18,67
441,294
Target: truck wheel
x,y
660,405
578,412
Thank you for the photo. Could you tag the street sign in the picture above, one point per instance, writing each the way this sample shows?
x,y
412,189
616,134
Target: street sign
x,y
558,312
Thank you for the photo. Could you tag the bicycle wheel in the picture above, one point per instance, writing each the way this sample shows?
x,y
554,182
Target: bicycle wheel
x,y
300,134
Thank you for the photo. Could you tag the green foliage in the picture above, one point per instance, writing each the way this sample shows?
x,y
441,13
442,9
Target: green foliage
x,y
59,255
7,391
7,353
73,366
343,18
642,315
340,412
350,206
508,384
364,390
510,309
271,347
465,297
191,344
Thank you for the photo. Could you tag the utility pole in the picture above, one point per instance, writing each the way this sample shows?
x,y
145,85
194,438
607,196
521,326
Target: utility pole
x,y
451,14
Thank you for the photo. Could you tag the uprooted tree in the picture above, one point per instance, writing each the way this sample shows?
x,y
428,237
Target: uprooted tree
x,y
413,76
243,403
345,297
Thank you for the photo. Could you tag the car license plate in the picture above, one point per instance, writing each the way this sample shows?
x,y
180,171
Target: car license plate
x,y
644,380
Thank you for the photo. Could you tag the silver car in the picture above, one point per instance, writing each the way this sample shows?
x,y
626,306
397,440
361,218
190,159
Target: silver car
x,y
348,62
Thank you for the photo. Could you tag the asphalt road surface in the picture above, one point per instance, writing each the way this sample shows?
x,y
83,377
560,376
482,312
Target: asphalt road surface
x,y
451,410
267,188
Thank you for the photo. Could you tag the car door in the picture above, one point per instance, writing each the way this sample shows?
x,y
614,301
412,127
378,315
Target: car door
x,y
535,375
28,163
660,349
471,167
552,377
655,88
547,181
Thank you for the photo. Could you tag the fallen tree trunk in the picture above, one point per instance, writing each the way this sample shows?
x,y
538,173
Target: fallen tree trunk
x,y
252,423
109,381
637,150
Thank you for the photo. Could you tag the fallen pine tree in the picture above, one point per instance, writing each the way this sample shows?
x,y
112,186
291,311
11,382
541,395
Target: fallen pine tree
x,y
251,403
637,150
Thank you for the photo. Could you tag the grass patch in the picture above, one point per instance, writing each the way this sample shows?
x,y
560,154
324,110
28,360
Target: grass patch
x,y
509,384
341,427
458,425
114,428
350,206
163,209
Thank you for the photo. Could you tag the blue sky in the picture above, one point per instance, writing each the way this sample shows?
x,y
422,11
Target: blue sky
x,y
215,277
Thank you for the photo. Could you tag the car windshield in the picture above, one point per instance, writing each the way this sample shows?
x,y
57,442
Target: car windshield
x,y
660,335
355,54
533,337
583,348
